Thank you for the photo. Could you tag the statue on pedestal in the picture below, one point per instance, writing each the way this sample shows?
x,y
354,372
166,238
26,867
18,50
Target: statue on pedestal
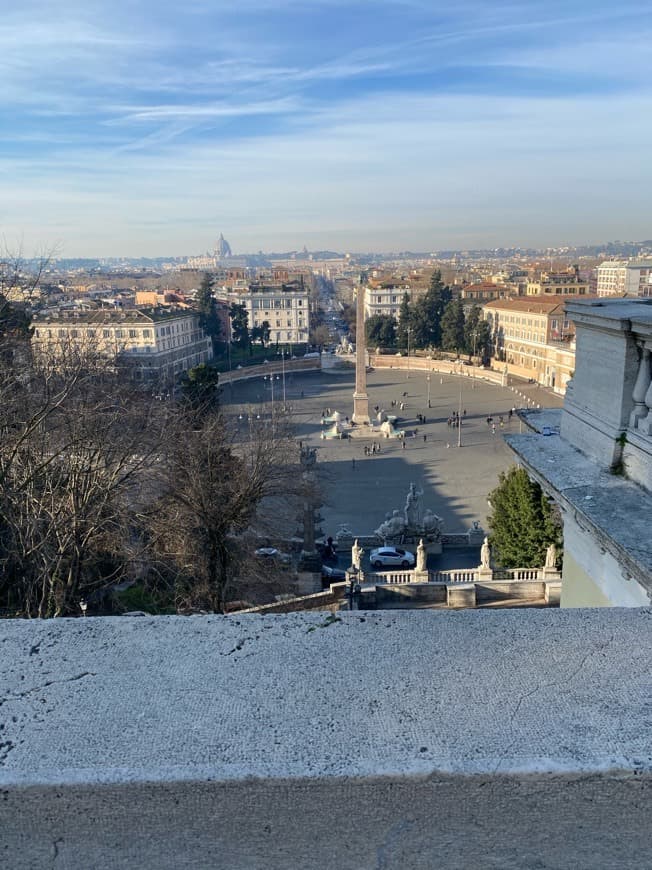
x,y
356,555
421,556
551,557
412,509
485,555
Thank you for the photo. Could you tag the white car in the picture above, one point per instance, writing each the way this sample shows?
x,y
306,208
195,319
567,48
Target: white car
x,y
273,554
385,557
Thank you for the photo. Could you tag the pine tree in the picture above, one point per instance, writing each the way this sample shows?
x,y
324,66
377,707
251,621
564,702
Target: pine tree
x,y
452,327
522,522
404,322
380,330
207,307
240,324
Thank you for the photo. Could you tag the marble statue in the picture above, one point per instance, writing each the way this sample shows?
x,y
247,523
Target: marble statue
x,y
551,557
485,555
356,555
393,528
421,556
413,507
432,524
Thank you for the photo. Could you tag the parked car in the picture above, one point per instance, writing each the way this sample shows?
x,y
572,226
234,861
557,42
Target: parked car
x,y
385,557
332,575
273,554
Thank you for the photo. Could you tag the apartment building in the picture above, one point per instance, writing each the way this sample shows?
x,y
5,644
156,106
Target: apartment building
x,y
484,291
384,293
557,284
623,278
285,305
156,345
533,338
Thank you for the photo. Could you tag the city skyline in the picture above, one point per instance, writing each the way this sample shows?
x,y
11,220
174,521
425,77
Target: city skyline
x,y
349,126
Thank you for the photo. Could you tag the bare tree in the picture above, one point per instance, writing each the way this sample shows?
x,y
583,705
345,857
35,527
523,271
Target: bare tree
x,y
77,442
218,491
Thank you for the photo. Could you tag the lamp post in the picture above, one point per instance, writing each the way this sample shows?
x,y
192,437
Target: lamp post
x,y
408,353
270,378
428,380
459,418
282,352
352,586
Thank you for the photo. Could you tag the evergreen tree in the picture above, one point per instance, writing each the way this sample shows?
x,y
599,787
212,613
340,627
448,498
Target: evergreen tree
x,y
207,307
429,311
522,522
381,330
404,322
240,324
199,389
452,327
477,334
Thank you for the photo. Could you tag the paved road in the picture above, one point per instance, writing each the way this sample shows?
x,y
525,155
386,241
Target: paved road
x,y
360,490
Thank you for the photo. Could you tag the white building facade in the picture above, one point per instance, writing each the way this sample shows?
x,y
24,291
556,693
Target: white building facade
x,y
623,278
156,345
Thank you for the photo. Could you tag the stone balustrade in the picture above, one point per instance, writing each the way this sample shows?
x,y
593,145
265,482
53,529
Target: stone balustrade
x,y
462,575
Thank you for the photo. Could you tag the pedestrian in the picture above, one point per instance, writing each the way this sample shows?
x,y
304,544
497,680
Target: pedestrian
x,y
405,393
377,448
424,438
403,444
493,428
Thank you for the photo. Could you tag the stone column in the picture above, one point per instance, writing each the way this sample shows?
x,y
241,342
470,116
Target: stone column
x,y
360,397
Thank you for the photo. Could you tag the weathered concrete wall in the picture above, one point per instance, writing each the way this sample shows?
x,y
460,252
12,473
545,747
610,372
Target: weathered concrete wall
x,y
367,740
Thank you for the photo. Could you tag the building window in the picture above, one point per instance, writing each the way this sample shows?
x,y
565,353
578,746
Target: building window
x,y
132,333
147,333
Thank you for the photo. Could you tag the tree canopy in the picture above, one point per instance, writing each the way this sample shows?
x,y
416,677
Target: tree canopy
x,y
240,324
522,523
206,305
380,330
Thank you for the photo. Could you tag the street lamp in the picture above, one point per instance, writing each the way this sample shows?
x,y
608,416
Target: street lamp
x,y
271,379
282,352
408,353
353,588
459,419
428,380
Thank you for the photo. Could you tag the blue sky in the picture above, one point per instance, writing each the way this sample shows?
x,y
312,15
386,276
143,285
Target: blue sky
x,y
145,128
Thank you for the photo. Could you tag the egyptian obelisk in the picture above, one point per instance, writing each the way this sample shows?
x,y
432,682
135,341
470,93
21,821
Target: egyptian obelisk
x,y
360,397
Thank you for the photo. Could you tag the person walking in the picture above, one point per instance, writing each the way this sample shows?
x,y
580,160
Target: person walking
x,y
403,444
424,438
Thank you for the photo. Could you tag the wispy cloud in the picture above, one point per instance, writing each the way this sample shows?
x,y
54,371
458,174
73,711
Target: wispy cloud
x,y
383,117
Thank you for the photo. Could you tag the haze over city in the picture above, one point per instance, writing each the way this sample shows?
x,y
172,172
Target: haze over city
x,y
136,130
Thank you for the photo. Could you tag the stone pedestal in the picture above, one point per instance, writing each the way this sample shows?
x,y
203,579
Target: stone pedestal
x,y
461,596
484,575
420,577
308,582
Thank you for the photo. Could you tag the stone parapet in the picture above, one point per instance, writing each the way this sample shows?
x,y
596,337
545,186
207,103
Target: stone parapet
x,y
355,741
